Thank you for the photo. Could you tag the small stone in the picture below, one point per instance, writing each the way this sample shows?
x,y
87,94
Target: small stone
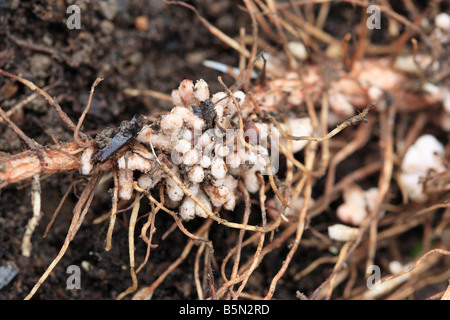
x,y
109,9
107,27
141,23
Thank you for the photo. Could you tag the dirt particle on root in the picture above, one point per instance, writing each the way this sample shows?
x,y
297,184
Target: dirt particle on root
x,y
104,138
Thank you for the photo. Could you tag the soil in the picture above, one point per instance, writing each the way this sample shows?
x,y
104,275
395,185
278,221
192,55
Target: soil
x,y
36,43
128,51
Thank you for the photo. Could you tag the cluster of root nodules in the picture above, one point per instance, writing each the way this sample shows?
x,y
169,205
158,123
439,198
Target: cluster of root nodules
x,y
200,141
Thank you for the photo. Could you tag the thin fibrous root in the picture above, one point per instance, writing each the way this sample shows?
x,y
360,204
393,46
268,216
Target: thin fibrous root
x,y
34,221
352,121
64,117
79,211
